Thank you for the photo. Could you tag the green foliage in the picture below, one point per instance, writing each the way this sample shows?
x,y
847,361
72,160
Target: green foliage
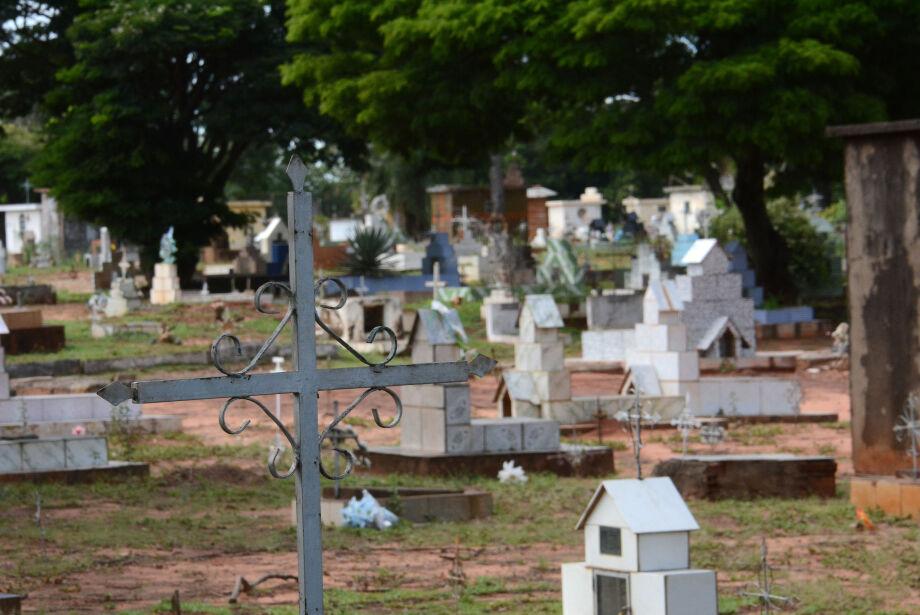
x,y
366,251
162,100
18,146
810,251
413,77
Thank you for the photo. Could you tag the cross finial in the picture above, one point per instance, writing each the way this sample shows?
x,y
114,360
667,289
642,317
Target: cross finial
x,y
686,422
297,172
436,281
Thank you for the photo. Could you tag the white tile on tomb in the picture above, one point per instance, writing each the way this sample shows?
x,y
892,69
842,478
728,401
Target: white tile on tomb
x,y
10,456
85,452
39,455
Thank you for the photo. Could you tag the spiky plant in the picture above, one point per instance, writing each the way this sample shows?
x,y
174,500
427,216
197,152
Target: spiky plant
x,y
367,249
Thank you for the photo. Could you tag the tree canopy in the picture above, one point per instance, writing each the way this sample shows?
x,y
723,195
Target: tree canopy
x,y
162,100
705,87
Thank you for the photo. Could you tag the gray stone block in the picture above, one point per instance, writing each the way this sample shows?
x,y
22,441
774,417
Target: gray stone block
x,y
411,428
501,435
85,452
10,457
540,435
549,356
619,311
453,399
39,455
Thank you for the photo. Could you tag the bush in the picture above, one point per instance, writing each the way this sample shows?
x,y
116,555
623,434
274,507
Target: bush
x,y
367,249
809,251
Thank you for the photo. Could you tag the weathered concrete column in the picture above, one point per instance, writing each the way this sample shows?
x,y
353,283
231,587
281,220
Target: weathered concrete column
x,y
882,165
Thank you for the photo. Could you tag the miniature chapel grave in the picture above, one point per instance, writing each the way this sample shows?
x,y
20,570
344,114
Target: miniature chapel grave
x,y
540,385
637,555
440,436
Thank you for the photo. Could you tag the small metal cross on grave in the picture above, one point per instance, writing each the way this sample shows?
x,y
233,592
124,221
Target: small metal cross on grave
x,y
633,421
436,282
909,427
304,383
686,422
764,594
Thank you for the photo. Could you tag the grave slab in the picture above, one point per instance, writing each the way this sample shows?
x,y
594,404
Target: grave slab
x,y
570,460
414,504
745,477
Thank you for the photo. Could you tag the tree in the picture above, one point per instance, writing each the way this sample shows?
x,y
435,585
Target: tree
x,y
33,47
162,100
705,87
18,146
401,75
709,86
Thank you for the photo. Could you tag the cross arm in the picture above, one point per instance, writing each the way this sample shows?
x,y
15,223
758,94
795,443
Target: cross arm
x,y
188,389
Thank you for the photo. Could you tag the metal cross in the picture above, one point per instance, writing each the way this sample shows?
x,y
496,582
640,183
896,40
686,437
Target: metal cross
x,y
764,594
436,282
633,421
686,422
304,383
909,426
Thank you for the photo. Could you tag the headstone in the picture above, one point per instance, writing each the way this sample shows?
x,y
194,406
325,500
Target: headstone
x,y
560,272
644,268
637,554
165,287
105,247
439,250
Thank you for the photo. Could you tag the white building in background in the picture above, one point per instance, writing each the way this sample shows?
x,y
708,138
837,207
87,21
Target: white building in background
x,y
32,223
637,555
688,206
574,216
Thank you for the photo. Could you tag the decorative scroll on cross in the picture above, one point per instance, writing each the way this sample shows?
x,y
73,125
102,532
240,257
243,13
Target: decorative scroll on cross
x,y
304,383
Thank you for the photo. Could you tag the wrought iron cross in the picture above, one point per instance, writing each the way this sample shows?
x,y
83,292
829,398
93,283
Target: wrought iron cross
x,y
633,421
909,427
764,594
304,383
686,422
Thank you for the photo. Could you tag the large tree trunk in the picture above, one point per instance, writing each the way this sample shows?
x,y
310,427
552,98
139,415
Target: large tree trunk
x,y
766,247
496,185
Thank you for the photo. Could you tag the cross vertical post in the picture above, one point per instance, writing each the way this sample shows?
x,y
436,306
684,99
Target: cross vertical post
x,y
308,488
304,383
436,281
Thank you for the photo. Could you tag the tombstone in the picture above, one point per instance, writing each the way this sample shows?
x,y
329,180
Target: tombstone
x,y
435,335
669,363
560,272
28,333
637,554
539,375
567,217
165,287
117,304
644,268
710,294
883,256
105,248
681,246
739,264
500,312
611,319
439,250
249,262
362,314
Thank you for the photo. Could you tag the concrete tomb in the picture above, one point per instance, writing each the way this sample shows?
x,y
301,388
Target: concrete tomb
x,y
637,555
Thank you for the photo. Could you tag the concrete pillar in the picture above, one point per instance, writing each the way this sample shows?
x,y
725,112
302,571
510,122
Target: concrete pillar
x,y
882,165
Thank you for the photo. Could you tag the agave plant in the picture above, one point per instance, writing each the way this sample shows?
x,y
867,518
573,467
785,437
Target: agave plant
x,y
366,251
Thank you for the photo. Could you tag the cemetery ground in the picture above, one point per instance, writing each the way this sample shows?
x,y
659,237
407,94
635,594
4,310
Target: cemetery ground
x,y
210,512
